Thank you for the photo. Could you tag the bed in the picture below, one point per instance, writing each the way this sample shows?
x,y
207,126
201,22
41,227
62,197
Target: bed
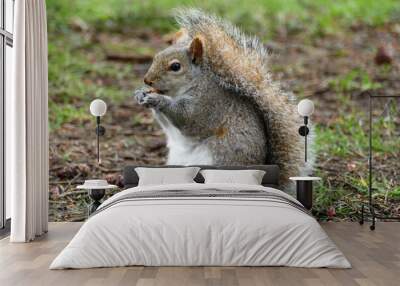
x,y
199,224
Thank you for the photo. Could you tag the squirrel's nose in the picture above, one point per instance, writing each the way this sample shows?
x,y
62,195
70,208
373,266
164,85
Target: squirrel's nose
x,y
147,81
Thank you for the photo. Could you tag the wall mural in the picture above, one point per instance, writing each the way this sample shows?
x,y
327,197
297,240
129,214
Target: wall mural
x,y
205,92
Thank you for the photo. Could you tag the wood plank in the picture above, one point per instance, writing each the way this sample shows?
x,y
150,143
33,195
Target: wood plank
x,y
375,257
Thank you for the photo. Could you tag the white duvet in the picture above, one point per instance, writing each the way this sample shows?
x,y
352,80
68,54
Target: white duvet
x,y
200,231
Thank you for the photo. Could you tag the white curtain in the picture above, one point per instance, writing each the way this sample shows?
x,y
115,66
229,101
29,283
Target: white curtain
x,y
27,124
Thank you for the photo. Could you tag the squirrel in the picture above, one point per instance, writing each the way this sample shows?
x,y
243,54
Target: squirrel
x,y
212,95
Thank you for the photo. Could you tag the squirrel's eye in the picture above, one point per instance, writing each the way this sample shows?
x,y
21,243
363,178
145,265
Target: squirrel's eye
x,y
175,66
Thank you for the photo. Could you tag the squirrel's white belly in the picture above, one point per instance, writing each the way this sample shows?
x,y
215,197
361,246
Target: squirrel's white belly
x,y
182,150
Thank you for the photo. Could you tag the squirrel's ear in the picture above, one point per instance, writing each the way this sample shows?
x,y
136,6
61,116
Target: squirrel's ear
x,y
196,50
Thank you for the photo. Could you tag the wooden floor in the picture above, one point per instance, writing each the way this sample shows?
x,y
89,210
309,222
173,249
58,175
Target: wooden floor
x,y
375,257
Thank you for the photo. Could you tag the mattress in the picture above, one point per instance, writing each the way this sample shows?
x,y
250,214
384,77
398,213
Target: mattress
x,y
201,225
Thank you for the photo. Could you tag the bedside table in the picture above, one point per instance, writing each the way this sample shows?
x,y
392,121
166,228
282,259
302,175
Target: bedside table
x,y
304,190
96,190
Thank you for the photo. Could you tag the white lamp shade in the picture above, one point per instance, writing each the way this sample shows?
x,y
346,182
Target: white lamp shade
x,y
305,107
98,107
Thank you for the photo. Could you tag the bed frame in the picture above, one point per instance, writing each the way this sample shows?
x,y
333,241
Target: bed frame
x,y
271,177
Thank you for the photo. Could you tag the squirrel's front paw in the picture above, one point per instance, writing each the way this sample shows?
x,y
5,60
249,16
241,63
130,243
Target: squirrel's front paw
x,y
141,93
149,99
152,100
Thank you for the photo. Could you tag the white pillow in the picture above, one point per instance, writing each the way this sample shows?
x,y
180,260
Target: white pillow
x,y
165,176
248,177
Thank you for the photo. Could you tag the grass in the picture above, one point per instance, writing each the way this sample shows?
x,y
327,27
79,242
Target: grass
x,y
347,139
255,15
75,78
68,63
357,79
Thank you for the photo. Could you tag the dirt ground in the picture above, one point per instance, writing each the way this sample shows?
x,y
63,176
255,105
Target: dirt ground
x,y
132,137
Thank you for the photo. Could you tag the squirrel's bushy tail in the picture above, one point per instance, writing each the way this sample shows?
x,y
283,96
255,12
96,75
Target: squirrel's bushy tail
x,y
239,63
